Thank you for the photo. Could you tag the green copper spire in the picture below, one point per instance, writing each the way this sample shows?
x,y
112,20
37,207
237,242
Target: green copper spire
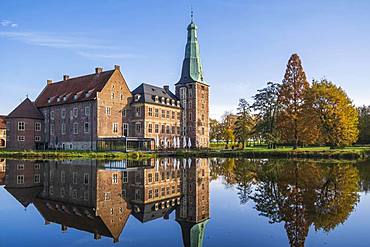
x,y
192,233
192,67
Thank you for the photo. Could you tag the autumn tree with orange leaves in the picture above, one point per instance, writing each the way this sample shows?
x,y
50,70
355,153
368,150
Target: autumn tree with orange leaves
x,y
295,125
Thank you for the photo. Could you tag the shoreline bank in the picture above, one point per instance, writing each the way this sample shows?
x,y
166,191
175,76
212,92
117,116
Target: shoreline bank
x,y
354,153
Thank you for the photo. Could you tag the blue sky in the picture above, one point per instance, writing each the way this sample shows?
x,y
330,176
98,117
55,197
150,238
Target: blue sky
x,y
244,43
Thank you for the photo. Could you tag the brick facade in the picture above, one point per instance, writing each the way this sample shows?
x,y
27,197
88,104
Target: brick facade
x,y
2,132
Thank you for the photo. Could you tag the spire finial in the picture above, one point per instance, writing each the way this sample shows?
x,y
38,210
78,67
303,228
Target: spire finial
x,y
192,13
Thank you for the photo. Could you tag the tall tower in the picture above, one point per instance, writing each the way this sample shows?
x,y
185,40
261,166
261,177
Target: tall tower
x,y
193,93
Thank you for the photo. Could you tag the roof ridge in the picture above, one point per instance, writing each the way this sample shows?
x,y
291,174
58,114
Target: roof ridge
x,y
82,76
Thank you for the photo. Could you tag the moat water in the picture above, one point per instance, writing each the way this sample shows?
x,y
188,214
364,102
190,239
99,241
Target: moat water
x,y
184,202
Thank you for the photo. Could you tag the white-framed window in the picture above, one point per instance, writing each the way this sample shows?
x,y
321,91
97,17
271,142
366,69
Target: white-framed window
x,y
75,112
150,194
63,113
112,95
37,138
86,127
107,110
21,126
107,196
75,128
86,178
150,128
52,129
138,111
115,128
20,179
87,110
36,178
21,138
37,166
20,167
150,111
124,113
125,129
125,177
62,192
37,126
52,116
138,128
51,190
167,114
63,127
114,178
156,112
156,128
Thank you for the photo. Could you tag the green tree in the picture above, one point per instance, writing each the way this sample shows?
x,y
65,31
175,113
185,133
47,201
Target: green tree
x,y
244,122
338,117
292,100
364,125
227,126
215,132
266,107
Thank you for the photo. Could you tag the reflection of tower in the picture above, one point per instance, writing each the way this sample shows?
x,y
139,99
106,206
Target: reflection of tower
x,y
23,180
193,212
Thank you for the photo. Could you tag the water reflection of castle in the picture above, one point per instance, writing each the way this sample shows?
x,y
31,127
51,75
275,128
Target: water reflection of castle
x,y
99,197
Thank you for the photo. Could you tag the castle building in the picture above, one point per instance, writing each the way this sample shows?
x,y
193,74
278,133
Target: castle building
x,y
99,112
2,131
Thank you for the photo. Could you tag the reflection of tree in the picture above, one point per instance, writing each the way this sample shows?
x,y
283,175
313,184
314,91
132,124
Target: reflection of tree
x,y
245,174
301,194
238,172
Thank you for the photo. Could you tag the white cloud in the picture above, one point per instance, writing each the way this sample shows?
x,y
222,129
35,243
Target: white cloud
x,y
7,23
53,40
76,42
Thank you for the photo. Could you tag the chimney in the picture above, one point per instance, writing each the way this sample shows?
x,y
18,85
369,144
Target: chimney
x,y
65,77
117,67
166,88
97,236
98,70
49,82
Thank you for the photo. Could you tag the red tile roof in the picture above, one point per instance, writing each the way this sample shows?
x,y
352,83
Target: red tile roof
x,y
26,109
76,89
2,122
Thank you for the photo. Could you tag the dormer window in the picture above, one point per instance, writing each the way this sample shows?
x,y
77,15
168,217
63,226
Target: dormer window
x,y
137,97
58,99
168,101
75,97
65,98
156,99
49,100
173,102
178,103
162,100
